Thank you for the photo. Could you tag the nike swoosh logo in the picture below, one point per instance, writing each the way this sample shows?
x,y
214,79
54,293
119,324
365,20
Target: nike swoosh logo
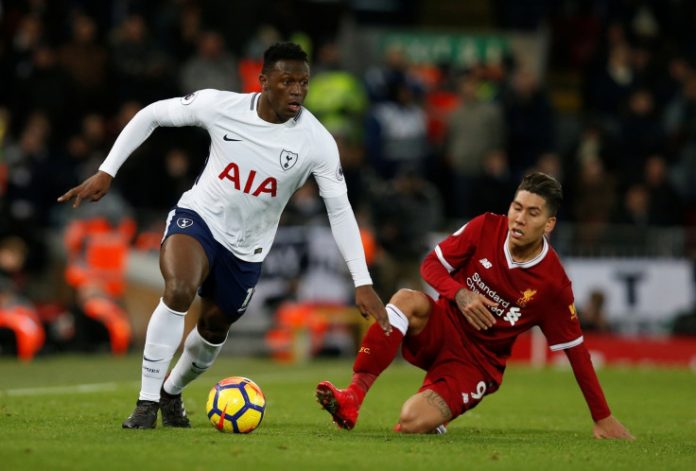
x,y
195,365
150,359
230,139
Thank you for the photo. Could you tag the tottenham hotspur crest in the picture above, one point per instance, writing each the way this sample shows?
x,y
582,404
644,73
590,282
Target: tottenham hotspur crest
x,y
184,223
288,159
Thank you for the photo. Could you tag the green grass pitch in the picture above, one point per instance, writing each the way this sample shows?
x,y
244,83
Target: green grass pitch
x,y
65,413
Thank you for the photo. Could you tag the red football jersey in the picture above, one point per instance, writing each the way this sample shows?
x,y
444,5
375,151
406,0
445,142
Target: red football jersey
x,y
537,292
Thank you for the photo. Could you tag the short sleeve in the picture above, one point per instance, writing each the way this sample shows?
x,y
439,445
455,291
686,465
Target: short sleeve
x,y
455,249
560,323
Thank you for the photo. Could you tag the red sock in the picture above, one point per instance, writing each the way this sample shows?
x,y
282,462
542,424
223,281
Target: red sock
x,y
376,353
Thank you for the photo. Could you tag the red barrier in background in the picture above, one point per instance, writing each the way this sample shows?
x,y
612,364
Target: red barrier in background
x,y
612,350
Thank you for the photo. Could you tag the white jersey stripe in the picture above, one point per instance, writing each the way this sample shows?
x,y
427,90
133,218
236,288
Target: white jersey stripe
x,y
438,252
564,346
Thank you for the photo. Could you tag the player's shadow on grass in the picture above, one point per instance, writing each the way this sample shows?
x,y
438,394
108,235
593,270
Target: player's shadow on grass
x,y
502,436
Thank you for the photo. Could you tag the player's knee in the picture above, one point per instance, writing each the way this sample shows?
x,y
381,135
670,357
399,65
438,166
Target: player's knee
x,y
406,300
415,307
412,423
179,294
213,329
214,336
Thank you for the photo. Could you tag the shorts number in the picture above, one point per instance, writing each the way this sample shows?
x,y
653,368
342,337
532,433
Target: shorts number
x,y
250,293
480,390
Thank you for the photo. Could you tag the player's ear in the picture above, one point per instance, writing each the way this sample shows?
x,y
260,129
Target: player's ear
x,y
550,224
263,80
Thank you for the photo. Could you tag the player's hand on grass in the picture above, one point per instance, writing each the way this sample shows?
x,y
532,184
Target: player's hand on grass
x,y
370,304
474,307
611,428
93,189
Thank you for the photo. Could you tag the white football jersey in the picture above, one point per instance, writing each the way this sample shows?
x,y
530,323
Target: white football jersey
x,y
253,168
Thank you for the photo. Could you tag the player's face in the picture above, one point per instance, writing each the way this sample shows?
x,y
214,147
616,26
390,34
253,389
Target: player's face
x,y
528,220
284,90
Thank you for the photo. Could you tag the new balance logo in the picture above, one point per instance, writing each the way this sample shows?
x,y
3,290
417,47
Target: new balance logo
x,y
486,264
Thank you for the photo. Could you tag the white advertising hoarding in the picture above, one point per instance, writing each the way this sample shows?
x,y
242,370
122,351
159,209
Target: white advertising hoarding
x,y
636,290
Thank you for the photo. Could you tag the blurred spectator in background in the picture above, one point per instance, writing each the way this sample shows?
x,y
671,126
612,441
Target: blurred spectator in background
x,y
666,207
550,164
47,87
379,77
475,129
405,211
142,69
33,175
212,66
336,97
593,317
639,136
608,87
634,210
305,207
250,64
680,111
529,121
27,38
358,175
594,202
491,190
634,217
85,59
265,36
396,133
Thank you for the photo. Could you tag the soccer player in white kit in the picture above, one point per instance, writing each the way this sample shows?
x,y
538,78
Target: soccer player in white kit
x,y
263,147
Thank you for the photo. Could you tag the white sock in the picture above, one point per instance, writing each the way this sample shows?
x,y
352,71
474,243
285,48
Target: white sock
x,y
164,332
197,357
397,318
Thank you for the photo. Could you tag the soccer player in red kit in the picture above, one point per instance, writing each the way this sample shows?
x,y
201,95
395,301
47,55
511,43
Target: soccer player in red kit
x,y
497,277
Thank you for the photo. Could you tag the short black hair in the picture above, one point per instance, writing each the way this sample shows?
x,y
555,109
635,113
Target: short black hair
x,y
545,186
282,51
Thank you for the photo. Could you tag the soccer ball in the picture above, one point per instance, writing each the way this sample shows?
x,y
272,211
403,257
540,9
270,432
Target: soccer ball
x,y
236,405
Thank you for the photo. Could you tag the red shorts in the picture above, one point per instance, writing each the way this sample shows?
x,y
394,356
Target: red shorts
x,y
452,371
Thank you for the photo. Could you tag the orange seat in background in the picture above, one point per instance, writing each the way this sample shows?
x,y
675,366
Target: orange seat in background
x,y
249,70
26,326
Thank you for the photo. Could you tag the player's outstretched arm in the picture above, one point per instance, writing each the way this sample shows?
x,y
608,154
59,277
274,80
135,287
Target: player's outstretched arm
x,y
93,189
611,428
370,304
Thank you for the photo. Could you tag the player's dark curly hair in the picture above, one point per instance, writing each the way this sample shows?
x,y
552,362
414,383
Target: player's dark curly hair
x,y
282,51
545,186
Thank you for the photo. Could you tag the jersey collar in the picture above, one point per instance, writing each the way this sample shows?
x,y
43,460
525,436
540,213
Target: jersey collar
x,y
529,263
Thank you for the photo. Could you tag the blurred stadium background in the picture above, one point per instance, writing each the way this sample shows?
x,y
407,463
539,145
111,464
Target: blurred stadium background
x,y
438,108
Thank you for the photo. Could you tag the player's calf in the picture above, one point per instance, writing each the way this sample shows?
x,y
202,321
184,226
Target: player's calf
x,y
424,412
